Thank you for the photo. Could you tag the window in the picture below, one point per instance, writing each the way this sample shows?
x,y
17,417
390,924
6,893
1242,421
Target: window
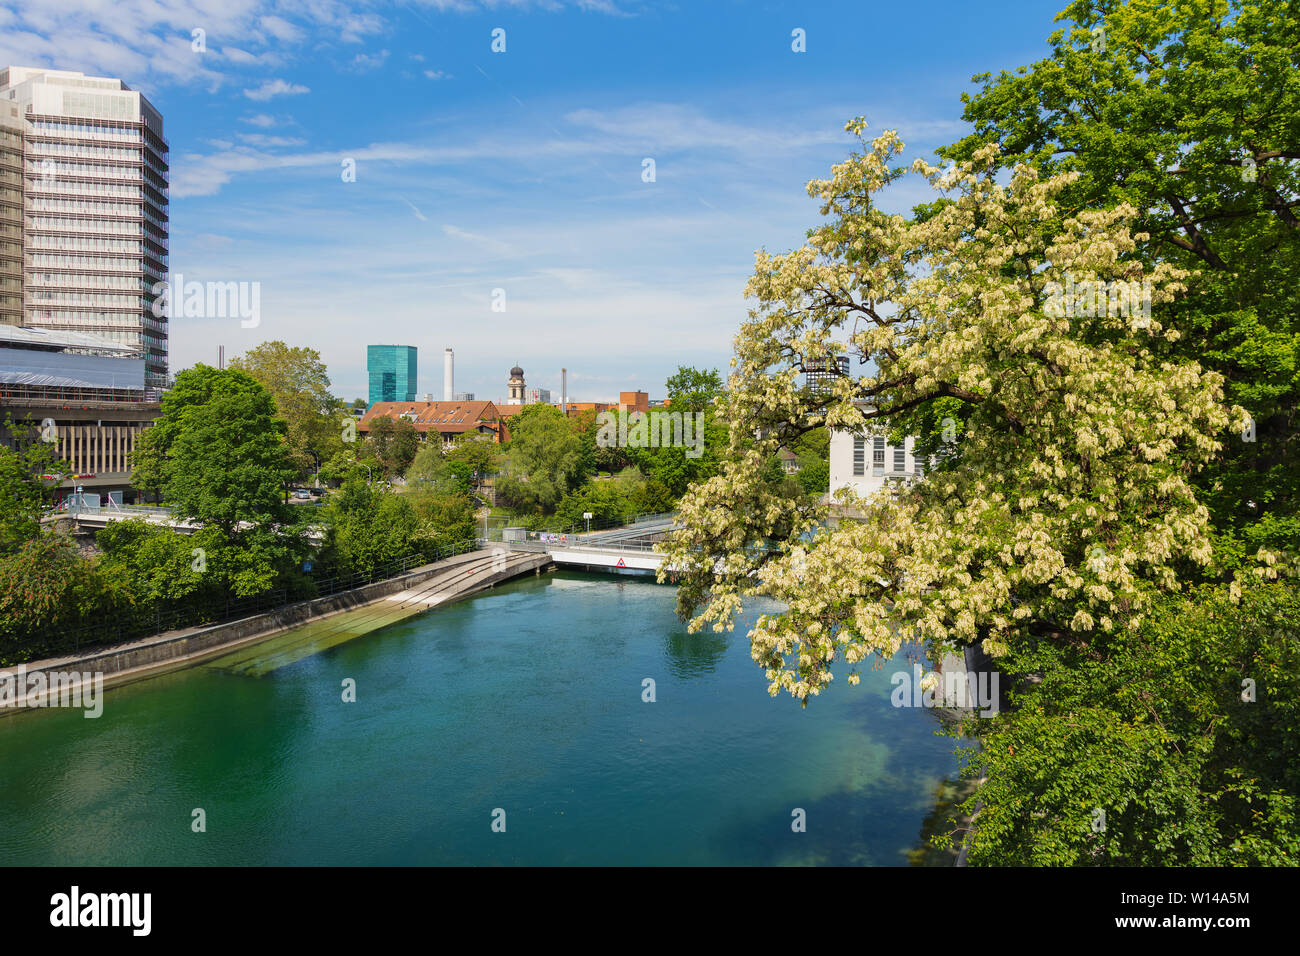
x,y
900,458
878,453
859,456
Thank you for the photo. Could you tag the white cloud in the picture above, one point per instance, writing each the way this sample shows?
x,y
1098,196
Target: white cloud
x,y
437,75
276,87
486,242
280,28
364,61
263,120
261,139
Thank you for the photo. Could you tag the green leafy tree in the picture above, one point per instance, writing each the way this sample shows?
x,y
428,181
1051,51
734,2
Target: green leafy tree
x,y
159,562
812,454
1190,113
368,526
391,445
47,590
448,519
218,454
543,461
299,384
23,494
440,472
1177,746
692,389
482,455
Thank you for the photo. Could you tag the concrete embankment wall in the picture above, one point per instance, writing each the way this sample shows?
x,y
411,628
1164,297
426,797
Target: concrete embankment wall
x,y
184,648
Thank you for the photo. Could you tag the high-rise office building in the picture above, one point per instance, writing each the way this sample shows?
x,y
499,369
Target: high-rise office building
x,y
94,196
820,374
11,216
393,372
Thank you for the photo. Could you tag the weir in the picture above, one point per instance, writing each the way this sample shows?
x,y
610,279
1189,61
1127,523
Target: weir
x,y
484,570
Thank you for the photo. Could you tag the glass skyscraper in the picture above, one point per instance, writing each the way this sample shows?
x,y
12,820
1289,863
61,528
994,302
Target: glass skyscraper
x,y
392,371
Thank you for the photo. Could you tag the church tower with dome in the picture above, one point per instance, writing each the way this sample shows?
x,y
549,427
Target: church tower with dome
x,y
516,386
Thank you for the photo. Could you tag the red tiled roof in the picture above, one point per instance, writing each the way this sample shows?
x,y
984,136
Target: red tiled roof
x,y
442,417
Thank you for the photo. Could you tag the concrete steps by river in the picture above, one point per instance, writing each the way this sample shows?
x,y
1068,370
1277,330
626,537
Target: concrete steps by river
x,y
469,573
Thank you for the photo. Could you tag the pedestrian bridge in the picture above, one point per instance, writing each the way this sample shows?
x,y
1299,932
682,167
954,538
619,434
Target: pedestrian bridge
x,y
574,551
628,549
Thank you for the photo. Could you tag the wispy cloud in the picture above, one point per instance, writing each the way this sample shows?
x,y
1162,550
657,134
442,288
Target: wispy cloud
x,y
364,62
276,87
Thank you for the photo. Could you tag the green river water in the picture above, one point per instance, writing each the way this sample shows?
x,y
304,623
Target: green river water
x,y
526,699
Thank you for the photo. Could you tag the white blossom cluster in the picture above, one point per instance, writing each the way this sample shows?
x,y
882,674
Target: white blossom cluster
x,y
1068,503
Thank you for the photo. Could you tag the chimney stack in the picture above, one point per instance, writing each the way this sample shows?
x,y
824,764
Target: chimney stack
x,y
448,385
564,390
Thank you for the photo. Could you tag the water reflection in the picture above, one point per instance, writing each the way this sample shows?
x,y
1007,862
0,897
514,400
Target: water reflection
x,y
693,655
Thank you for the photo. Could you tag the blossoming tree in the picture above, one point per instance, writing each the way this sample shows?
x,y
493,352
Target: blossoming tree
x,y
1066,503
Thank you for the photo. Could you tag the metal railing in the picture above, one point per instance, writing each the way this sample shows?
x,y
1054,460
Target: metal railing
x,y
579,545
605,524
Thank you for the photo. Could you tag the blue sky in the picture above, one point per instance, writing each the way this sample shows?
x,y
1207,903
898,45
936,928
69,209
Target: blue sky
x,y
519,170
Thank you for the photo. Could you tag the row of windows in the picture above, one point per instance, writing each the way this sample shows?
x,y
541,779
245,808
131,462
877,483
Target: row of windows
x,y
125,154
105,299
129,322
878,453
75,207
58,170
68,188
98,263
63,280
111,226
85,244
85,207
117,134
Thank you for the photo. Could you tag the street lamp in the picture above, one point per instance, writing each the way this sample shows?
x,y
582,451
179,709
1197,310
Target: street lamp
x,y
315,455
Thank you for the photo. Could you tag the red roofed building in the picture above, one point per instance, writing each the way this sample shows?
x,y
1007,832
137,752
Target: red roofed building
x,y
448,420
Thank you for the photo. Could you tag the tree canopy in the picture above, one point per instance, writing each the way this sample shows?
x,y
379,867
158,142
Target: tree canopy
x,y
299,385
1188,112
1069,502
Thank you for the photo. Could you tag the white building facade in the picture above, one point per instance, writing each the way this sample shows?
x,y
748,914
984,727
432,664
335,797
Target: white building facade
x,y
95,201
866,461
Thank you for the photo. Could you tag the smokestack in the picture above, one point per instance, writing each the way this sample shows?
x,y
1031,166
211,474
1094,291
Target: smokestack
x,y
448,384
221,356
564,390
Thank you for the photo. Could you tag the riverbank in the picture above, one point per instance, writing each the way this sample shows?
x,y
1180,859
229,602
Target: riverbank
x,y
438,583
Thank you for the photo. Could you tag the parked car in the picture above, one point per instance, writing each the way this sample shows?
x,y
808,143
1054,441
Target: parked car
x,y
302,493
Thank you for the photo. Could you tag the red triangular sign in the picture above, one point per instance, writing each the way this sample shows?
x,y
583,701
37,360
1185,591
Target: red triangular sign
x,y
620,564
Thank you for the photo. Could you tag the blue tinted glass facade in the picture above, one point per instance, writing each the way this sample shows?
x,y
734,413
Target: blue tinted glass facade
x,y
392,371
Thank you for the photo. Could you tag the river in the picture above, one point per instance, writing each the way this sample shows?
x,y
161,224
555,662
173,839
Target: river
x,y
522,705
